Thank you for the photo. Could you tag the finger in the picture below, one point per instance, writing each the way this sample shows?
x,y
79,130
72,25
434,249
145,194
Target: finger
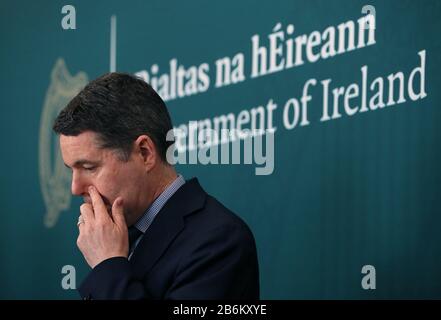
x,y
80,220
80,225
118,212
87,213
99,208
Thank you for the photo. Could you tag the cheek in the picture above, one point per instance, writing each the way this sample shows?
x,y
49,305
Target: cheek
x,y
107,185
117,182
128,177
129,181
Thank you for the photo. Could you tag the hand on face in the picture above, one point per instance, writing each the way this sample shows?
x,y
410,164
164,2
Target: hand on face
x,y
103,235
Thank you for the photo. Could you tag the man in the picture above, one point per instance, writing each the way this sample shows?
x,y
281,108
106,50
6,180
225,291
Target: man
x,y
145,231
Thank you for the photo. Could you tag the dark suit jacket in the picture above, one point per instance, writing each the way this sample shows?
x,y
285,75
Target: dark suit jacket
x,y
194,249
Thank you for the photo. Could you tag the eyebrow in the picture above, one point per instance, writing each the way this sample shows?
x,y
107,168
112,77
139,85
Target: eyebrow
x,y
82,162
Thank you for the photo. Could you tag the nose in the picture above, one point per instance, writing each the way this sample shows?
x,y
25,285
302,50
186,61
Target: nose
x,y
78,186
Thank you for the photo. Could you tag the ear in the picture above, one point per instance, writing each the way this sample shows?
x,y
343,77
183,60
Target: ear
x,y
145,149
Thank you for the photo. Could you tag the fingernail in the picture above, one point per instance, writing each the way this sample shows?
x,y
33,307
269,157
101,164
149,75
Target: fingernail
x,y
90,189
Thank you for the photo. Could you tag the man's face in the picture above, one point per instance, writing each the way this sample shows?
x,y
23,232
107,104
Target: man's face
x,y
103,169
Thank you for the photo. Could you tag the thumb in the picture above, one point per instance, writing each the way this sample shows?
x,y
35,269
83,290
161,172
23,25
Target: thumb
x,y
118,212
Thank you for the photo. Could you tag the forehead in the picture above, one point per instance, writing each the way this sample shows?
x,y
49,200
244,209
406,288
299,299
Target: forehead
x,y
83,146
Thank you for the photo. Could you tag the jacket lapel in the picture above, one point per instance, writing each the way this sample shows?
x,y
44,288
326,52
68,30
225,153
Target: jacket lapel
x,y
166,226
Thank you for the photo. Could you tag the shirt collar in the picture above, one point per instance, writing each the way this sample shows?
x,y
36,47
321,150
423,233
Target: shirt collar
x,y
146,220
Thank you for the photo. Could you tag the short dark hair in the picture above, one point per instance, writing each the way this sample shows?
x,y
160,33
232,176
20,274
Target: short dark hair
x,y
118,107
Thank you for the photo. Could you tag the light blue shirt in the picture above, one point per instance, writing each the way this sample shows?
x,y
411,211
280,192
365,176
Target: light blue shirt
x,y
146,220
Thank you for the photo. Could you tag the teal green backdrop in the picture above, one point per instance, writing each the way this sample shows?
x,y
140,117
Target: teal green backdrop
x,y
354,191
